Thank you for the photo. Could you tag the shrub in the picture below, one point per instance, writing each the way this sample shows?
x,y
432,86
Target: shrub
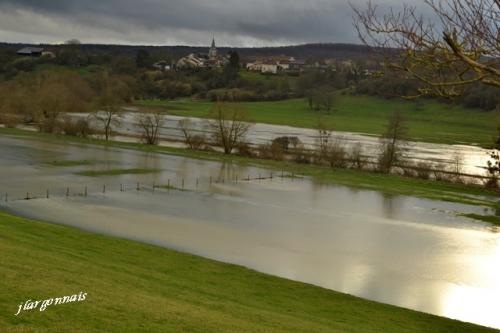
x,y
356,157
423,170
271,151
10,120
76,127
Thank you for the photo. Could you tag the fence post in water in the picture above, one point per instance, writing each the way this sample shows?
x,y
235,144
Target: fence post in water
x,y
104,189
67,192
47,193
121,187
236,178
210,180
138,186
154,186
183,184
27,195
6,196
197,181
271,176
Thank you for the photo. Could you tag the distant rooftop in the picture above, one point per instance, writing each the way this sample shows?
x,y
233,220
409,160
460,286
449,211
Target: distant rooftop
x,y
30,51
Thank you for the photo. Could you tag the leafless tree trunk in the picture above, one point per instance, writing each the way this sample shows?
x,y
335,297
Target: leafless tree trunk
x,y
150,124
392,142
109,102
110,118
229,126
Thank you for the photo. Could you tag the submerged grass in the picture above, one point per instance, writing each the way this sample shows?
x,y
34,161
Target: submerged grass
x,y
134,287
492,219
116,172
392,184
71,163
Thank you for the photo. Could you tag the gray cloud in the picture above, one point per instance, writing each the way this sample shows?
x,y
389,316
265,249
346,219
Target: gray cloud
x,y
166,22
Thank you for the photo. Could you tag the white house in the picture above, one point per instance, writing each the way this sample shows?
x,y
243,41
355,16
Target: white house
x,y
270,68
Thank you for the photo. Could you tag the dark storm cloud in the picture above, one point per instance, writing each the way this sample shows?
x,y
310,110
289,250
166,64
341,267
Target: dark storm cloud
x,y
233,22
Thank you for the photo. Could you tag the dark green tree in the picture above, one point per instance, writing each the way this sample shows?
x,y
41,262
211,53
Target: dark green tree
x,y
143,59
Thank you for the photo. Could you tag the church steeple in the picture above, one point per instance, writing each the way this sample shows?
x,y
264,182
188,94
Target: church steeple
x,y
212,53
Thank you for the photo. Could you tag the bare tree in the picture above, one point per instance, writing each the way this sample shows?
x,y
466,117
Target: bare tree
x,y
109,117
446,55
109,103
392,142
324,137
229,126
193,141
150,124
331,149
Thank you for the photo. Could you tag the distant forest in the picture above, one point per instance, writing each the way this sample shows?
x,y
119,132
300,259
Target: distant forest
x,y
131,71
336,51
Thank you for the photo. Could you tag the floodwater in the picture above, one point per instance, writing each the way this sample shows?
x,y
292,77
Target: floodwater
x,y
400,250
472,159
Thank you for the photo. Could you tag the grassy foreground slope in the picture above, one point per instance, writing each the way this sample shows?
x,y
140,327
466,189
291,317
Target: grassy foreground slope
x,y
430,122
133,287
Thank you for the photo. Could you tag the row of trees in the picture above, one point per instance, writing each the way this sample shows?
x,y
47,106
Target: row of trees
x,y
44,98
230,125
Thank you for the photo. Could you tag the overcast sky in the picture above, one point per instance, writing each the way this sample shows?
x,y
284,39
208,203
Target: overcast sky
x,y
174,22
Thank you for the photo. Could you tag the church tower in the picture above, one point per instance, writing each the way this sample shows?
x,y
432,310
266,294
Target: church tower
x,y
212,53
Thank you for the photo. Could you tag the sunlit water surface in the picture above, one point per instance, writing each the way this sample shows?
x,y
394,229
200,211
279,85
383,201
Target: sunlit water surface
x,y
405,251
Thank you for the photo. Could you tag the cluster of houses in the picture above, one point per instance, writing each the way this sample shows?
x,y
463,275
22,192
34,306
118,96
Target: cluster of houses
x,y
275,66
203,60
35,52
212,59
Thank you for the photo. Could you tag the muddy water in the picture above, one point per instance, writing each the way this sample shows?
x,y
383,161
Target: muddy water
x,y
400,250
472,159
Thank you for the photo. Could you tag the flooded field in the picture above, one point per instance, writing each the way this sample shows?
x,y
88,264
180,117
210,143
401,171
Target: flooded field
x,y
472,159
404,251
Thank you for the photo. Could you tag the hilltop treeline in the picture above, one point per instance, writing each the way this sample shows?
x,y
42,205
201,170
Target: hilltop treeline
x,y
315,51
351,70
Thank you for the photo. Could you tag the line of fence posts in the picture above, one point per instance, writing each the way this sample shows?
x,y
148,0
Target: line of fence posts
x,y
155,185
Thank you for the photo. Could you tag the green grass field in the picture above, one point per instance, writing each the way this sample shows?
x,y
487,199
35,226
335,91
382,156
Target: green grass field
x,y
116,172
85,70
431,122
133,287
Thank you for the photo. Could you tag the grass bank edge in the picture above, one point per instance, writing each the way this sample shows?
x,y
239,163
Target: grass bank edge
x,y
183,286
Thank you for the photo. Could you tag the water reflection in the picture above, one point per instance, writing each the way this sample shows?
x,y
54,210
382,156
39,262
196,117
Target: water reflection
x,y
471,158
405,251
